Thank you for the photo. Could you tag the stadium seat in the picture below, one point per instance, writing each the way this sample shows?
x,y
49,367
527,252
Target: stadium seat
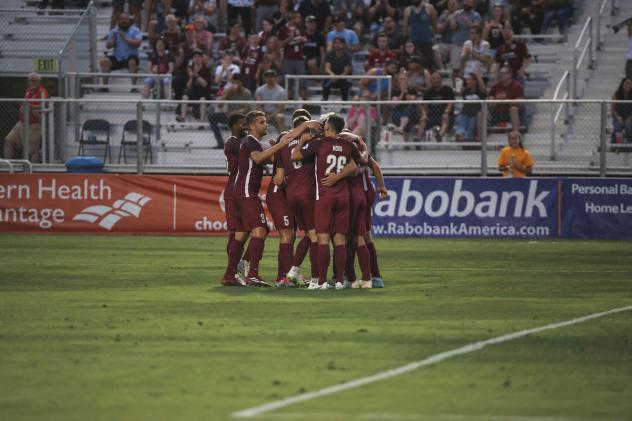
x,y
90,132
130,127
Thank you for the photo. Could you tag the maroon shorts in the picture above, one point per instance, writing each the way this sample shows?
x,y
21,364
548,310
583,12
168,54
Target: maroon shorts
x,y
331,215
280,210
230,212
370,200
250,214
302,208
357,215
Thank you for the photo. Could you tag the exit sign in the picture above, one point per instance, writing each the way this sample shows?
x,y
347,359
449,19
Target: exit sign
x,y
46,65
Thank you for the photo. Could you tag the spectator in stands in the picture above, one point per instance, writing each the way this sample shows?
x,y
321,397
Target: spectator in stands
x,y
527,12
352,44
628,61
13,142
493,30
559,10
164,8
371,85
442,50
236,92
377,13
381,54
162,62
192,43
241,9
404,116
463,21
198,87
469,121
314,47
420,20
264,9
203,36
225,71
515,54
394,35
410,50
271,91
267,30
118,7
321,10
338,62
292,38
506,88
251,62
206,9
124,39
184,58
280,17
357,116
149,7
437,117
272,57
475,55
172,35
417,77
234,40
622,113
514,160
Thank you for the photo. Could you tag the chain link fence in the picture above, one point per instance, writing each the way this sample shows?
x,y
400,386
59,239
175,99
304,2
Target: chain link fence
x,y
414,137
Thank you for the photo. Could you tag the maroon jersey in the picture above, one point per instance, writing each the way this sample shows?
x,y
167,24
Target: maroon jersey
x,y
512,55
249,173
356,183
251,58
294,48
299,174
331,157
231,154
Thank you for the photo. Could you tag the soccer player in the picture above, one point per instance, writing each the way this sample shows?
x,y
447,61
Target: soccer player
x,y
251,219
298,177
378,282
231,153
334,160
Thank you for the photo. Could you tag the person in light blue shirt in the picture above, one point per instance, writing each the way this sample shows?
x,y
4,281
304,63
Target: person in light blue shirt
x,y
124,40
350,37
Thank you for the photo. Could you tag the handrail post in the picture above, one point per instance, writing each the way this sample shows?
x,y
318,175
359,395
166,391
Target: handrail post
x,y
484,140
76,106
552,146
574,72
93,37
160,91
602,141
26,114
296,89
591,44
568,109
139,137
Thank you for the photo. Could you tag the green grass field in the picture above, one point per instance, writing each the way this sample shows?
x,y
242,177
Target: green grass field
x,y
138,328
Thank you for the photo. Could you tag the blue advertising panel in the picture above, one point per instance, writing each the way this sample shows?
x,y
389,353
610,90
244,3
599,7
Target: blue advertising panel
x,y
468,207
597,208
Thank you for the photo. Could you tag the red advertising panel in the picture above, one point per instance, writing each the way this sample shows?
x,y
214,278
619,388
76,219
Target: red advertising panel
x,y
100,203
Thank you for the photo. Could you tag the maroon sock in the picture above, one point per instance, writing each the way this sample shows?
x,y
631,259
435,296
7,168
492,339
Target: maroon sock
x,y
340,261
279,264
231,238
323,262
350,269
236,248
246,255
313,259
375,268
256,253
365,262
285,258
301,251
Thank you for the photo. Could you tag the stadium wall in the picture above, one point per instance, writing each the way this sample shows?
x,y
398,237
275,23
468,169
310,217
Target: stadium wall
x,y
415,207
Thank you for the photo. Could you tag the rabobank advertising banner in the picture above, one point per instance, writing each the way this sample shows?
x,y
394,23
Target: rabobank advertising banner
x,y
468,207
597,208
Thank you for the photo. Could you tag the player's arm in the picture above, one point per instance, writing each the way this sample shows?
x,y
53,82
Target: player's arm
x,y
279,176
260,157
333,178
297,152
379,176
298,130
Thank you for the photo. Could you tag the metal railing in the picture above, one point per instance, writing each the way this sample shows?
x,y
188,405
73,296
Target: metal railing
x,y
587,147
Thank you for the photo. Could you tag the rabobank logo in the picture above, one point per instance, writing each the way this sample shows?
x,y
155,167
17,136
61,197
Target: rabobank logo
x,y
108,216
460,202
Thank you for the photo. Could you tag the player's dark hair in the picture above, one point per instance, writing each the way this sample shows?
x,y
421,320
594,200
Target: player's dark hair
x,y
301,112
299,120
251,117
234,119
336,123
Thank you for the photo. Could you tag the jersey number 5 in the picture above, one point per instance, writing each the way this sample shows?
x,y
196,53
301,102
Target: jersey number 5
x,y
336,163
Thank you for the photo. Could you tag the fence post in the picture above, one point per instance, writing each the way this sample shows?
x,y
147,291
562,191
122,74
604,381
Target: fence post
x,y
160,92
43,122
25,130
552,146
591,44
602,140
76,107
598,32
484,140
139,137
296,89
93,37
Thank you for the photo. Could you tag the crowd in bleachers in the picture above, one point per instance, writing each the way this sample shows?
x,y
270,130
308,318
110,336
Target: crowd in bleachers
x,y
435,50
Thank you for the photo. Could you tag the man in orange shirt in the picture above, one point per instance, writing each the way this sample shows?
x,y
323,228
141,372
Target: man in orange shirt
x,y
515,160
13,142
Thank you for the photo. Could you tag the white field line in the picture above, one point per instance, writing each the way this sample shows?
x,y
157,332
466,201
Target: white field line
x,y
475,346
417,417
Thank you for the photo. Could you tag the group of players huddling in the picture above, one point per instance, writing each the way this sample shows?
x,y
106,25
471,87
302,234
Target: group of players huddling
x,y
320,186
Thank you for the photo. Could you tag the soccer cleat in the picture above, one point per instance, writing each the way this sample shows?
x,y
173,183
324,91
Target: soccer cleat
x,y
232,282
296,278
284,282
318,286
339,285
255,281
378,282
348,284
243,267
362,284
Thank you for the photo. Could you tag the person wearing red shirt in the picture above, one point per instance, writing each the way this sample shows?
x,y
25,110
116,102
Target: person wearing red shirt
x,y
506,88
292,38
13,142
513,53
381,54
